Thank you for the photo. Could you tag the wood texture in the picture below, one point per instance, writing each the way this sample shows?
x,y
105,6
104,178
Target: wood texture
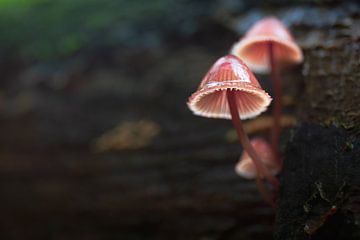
x,y
182,185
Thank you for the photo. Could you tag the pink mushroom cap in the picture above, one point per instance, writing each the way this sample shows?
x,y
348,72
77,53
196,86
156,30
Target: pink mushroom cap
x,y
229,72
246,167
253,47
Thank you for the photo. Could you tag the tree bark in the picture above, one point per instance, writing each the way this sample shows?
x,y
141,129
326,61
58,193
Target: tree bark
x,y
320,183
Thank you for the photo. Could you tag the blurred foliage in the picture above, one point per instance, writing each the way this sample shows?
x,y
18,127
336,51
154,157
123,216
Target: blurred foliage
x,y
47,29
43,29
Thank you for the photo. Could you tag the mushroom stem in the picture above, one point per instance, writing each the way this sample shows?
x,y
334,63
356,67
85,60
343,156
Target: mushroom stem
x,y
264,192
245,142
277,109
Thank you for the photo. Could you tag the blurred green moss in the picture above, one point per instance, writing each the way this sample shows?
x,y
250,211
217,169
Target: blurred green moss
x,y
43,29
52,29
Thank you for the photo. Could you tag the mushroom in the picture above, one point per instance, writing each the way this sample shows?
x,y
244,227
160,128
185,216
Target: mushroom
x,y
246,168
229,89
266,46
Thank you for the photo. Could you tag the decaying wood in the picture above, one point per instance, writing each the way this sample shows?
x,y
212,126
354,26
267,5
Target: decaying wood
x,y
320,182
181,184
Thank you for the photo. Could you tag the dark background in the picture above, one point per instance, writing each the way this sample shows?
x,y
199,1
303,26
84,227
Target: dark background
x,y
96,140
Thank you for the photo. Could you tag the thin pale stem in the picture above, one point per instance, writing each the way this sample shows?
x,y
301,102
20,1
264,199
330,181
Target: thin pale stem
x,y
245,142
277,108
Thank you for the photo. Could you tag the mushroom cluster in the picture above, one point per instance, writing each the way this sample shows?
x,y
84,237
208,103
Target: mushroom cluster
x,y
269,47
229,90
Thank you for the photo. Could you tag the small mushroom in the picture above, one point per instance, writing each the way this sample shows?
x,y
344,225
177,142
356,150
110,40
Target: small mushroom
x,y
267,37
246,168
267,46
229,90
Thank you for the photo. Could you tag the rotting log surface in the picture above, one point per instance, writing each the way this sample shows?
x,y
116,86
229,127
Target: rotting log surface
x,y
182,186
322,168
320,185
